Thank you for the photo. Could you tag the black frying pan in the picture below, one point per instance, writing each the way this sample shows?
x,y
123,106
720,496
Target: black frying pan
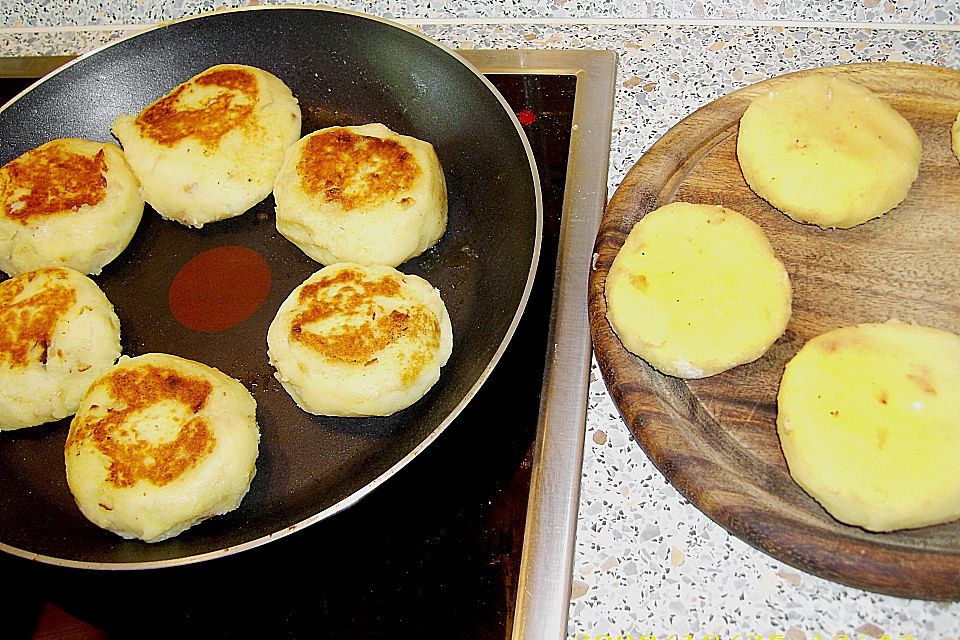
x,y
345,69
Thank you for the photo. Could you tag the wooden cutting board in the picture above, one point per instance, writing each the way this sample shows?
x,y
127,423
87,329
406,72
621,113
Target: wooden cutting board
x,y
715,438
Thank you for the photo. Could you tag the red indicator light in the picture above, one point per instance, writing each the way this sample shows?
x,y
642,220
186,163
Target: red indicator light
x,y
526,117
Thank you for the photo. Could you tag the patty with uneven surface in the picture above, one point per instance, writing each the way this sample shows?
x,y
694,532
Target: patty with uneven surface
x,y
68,203
210,149
356,340
161,443
361,194
58,333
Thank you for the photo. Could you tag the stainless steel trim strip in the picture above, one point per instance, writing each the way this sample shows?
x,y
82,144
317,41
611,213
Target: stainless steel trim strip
x,y
30,67
547,563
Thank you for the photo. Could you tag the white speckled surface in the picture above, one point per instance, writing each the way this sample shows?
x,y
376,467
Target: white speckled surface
x,y
15,13
647,562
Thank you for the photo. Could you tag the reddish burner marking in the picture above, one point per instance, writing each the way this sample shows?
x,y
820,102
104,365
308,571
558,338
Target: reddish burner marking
x,y
219,288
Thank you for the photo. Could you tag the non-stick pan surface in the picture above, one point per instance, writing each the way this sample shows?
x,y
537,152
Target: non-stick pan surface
x,y
345,69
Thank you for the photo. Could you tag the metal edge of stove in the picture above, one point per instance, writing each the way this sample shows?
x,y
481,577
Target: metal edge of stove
x,y
550,534
546,564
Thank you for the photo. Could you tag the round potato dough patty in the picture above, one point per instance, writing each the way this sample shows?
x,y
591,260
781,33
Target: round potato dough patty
x,y
210,149
357,340
696,290
58,333
361,194
827,151
160,443
869,421
68,203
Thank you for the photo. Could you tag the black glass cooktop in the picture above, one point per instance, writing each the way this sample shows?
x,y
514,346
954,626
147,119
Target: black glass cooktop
x,y
434,552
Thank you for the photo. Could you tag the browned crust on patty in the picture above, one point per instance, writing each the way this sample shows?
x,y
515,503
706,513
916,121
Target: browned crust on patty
x,y
353,170
27,325
350,295
167,121
51,180
133,458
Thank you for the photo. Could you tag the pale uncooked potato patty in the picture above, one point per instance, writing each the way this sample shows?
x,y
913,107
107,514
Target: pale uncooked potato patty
x,y
160,443
356,340
869,422
696,290
827,151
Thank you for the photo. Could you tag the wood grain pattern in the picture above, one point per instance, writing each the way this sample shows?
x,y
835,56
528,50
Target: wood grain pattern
x,y
715,438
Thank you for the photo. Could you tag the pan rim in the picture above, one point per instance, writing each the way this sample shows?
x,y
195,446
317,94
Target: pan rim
x,y
358,495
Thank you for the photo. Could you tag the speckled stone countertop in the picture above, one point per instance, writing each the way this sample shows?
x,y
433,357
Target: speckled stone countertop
x,y
647,562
